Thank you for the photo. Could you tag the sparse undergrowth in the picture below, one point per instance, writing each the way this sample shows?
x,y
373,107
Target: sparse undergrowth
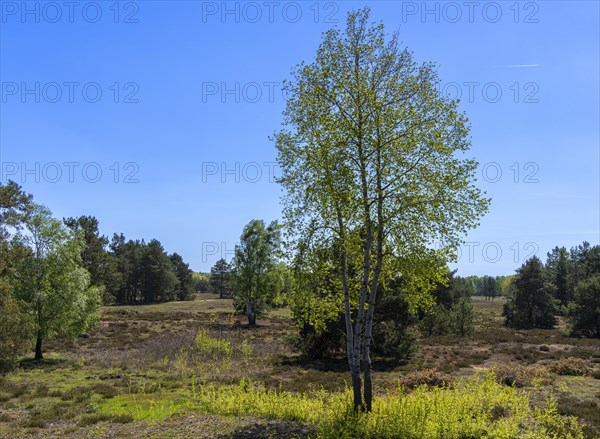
x,y
136,369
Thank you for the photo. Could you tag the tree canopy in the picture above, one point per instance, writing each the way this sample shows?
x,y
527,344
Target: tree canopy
x,y
254,267
371,164
50,279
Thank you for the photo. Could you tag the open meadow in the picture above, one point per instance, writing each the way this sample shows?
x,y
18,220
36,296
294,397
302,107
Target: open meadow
x,y
149,371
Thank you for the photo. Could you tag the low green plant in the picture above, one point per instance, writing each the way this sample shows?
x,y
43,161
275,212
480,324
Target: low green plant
x,y
477,408
212,347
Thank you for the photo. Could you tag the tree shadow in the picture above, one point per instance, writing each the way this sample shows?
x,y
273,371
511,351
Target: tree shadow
x,y
340,364
31,363
271,430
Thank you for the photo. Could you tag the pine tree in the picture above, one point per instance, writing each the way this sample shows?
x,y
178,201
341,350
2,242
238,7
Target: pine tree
x,y
530,304
220,278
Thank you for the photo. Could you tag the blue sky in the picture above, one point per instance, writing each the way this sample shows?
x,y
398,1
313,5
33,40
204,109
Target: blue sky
x,y
154,116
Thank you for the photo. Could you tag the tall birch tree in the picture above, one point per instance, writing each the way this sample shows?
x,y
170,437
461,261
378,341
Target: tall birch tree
x,y
373,164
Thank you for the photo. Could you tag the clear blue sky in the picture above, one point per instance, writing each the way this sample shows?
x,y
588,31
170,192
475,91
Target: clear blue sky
x,y
196,86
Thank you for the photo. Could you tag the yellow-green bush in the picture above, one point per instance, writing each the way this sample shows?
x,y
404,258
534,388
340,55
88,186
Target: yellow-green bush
x,y
212,347
477,408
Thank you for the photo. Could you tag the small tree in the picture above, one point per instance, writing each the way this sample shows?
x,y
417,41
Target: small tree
x,y
50,280
462,317
585,310
254,261
220,278
530,304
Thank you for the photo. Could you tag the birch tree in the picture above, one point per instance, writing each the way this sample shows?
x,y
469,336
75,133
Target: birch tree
x,y
373,164
254,264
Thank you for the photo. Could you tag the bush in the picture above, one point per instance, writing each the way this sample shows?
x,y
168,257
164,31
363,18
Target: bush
x,y
395,340
475,408
320,343
212,347
519,375
428,378
572,366
458,320
436,322
461,316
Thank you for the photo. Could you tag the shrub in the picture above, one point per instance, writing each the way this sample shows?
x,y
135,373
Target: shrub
x,y
394,340
519,375
474,408
212,347
436,322
572,366
427,377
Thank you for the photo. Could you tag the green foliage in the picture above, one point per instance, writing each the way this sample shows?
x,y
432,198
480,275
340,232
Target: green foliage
x,y
453,310
394,335
201,282
220,278
185,285
16,326
93,255
530,304
479,407
50,280
146,272
558,268
158,277
585,310
372,166
462,317
212,347
256,281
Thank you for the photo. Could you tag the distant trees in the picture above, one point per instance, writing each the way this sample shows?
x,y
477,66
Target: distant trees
x,y
147,273
490,287
158,280
131,270
253,266
50,280
530,304
201,282
220,278
452,312
558,270
185,285
585,311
